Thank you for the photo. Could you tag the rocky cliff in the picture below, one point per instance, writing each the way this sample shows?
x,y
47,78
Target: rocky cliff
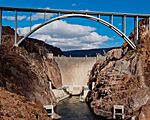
x,y
123,78
26,70
16,107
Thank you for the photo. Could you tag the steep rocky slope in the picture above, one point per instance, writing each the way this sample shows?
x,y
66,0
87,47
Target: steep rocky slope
x,y
27,70
37,46
123,78
16,107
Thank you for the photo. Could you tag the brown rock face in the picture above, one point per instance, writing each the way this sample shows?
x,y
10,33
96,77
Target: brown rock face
x,y
29,75
7,37
123,78
27,71
16,107
145,112
39,47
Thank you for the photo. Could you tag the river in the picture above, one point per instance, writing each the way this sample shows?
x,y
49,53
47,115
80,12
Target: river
x,y
73,109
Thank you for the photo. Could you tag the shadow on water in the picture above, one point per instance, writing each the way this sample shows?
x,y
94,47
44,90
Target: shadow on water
x,y
73,109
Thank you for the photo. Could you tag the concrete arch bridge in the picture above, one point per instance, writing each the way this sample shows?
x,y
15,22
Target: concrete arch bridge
x,y
93,15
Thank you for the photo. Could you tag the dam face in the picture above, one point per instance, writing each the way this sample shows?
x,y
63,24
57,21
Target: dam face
x,y
75,70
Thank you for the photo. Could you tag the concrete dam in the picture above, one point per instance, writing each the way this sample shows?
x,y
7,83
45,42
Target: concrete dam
x,y
75,70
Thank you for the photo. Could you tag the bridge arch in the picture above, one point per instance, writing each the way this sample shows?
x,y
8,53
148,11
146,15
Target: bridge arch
x,y
83,16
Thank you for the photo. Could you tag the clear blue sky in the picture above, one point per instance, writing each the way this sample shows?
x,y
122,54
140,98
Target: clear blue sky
x,y
127,6
135,6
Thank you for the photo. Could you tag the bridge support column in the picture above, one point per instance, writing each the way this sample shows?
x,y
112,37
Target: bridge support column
x,y
98,16
149,23
15,28
124,24
0,26
44,16
136,29
59,14
111,19
30,21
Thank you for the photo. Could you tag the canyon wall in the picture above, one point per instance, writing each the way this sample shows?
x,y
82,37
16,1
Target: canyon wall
x,y
26,71
123,78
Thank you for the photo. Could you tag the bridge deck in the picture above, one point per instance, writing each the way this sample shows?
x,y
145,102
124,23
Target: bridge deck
x,y
74,11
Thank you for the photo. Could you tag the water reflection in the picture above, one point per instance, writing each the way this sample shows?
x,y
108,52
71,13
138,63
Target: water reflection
x,y
73,109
